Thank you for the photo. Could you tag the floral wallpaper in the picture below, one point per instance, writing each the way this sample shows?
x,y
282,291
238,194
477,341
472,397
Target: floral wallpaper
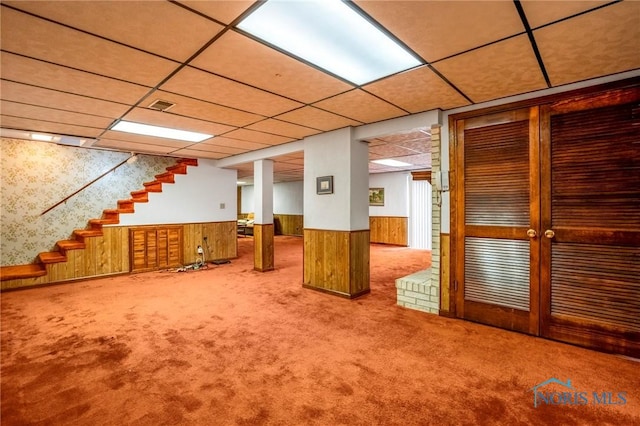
x,y
36,175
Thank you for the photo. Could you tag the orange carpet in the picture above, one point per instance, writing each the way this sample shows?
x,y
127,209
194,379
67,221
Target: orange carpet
x,y
230,346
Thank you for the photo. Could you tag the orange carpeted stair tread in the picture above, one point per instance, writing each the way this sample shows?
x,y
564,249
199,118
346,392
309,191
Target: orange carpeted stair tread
x,y
155,186
166,177
101,222
87,233
178,169
52,257
17,272
141,196
188,161
126,206
70,244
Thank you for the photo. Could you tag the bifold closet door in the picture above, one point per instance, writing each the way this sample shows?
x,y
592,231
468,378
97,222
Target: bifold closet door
x,y
590,276
497,219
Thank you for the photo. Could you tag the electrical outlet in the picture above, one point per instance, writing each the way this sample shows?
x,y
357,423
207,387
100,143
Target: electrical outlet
x,y
222,206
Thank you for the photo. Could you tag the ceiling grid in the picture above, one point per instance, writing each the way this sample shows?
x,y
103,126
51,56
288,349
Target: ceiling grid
x,y
79,69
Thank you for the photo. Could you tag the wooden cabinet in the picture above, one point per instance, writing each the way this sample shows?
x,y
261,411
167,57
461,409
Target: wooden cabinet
x,y
153,248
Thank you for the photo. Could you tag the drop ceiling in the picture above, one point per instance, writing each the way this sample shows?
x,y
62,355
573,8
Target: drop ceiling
x,y
74,68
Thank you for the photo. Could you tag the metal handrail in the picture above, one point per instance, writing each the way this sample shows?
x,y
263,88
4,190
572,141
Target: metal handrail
x,y
64,200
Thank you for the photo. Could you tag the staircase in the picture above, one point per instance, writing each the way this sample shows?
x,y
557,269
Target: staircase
x,y
94,227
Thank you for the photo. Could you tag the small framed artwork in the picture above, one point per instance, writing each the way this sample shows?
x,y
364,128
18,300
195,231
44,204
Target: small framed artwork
x,y
324,185
376,196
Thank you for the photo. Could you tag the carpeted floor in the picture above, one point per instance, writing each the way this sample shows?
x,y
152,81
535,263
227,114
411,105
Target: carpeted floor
x,y
231,346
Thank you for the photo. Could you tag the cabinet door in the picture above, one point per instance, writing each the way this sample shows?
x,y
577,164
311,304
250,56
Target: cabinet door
x,y
155,248
497,219
138,249
591,221
174,247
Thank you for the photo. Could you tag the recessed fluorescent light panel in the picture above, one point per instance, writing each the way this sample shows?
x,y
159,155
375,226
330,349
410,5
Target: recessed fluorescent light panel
x,y
330,35
391,163
161,132
41,137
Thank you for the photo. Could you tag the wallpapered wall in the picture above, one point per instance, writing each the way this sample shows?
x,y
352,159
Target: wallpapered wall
x,y
36,175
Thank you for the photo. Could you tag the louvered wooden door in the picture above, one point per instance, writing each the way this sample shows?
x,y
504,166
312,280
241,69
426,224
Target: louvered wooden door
x,y
590,272
497,181
153,248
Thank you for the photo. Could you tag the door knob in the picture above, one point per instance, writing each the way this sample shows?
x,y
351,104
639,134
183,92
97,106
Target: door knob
x,y
531,233
549,233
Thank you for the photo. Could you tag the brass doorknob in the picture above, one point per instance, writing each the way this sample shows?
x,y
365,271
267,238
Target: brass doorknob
x,y
549,233
531,233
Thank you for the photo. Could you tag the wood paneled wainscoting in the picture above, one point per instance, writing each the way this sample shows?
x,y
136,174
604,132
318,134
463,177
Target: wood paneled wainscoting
x,y
104,255
218,239
445,276
263,247
288,224
109,254
389,230
337,261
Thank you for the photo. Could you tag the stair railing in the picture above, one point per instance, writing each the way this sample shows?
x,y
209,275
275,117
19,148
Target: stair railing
x,y
65,199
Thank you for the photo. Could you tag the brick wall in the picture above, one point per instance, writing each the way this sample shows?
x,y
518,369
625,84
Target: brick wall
x,y
436,208
421,291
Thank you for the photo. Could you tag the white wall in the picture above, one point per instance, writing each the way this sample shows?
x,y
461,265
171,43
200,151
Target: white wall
x,y
194,198
421,217
396,193
246,199
336,154
288,197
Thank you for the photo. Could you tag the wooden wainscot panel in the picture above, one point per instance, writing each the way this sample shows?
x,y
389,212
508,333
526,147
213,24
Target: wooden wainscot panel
x,y
263,247
217,239
337,262
359,259
445,276
221,240
389,230
192,238
288,224
25,282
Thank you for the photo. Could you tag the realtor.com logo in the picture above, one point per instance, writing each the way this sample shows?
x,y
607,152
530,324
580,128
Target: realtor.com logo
x,y
542,397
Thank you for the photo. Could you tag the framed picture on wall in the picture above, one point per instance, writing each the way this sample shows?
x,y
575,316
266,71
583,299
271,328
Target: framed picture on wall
x,y
324,185
376,196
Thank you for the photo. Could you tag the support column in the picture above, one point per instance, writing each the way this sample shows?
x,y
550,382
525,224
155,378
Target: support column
x,y
336,214
263,229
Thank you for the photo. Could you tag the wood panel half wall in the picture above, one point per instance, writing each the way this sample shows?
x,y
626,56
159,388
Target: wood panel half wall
x,y
109,254
218,239
389,230
263,247
288,224
337,262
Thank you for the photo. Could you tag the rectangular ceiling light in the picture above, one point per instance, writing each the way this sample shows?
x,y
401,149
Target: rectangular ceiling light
x,y
391,163
330,35
41,137
161,132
